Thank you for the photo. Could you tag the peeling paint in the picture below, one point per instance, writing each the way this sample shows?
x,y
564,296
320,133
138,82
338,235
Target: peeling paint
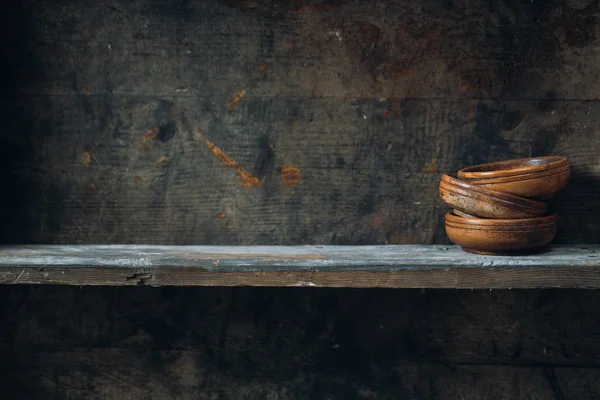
x,y
305,284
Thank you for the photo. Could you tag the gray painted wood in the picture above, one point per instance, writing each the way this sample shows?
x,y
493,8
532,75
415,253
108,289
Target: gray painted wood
x,y
339,266
287,258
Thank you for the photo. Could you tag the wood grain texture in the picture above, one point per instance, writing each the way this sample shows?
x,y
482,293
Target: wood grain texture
x,y
524,327
108,373
408,266
345,48
347,113
359,181
298,343
341,115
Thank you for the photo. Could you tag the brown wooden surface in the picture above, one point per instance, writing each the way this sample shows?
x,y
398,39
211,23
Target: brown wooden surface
x,y
399,266
309,122
176,374
457,278
284,343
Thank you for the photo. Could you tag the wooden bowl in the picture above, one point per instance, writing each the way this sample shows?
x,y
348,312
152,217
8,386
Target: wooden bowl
x,y
500,236
462,214
520,177
482,202
518,166
535,178
537,185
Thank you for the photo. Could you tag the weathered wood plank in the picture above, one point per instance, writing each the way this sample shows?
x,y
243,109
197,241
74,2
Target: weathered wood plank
x,y
276,329
127,374
343,113
91,90
363,105
137,170
56,339
331,48
287,258
328,266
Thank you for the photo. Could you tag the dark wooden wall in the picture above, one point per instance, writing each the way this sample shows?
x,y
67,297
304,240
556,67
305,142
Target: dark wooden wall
x,y
251,343
266,122
332,120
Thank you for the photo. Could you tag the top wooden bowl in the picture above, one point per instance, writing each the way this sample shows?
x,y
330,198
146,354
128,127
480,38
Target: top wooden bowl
x,y
520,166
535,178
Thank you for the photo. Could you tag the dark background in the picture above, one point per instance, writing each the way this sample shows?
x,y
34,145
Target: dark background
x,y
337,119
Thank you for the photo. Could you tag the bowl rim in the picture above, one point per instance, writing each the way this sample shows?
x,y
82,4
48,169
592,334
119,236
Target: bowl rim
x,y
462,214
535,228
565,170
492,223
512,167
500,198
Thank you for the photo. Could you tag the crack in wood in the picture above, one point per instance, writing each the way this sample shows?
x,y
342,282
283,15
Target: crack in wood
x,y
140,278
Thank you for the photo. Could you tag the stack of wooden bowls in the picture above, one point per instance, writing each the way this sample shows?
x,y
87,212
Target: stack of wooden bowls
x,y
499,208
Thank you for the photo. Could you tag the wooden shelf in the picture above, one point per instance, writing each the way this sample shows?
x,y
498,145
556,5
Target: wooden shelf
x,y
406,266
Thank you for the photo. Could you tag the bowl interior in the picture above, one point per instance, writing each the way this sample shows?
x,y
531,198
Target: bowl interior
x,y
513,164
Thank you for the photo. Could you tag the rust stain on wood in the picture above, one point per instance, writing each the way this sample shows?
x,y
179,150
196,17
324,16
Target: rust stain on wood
x,y
222,215
401,73
431,167
248,179
291,175
262,68
150,134
235,101
161,162
86,158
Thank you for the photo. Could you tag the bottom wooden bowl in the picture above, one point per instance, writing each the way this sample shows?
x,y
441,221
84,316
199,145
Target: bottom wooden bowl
x,y
501,236
525,252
